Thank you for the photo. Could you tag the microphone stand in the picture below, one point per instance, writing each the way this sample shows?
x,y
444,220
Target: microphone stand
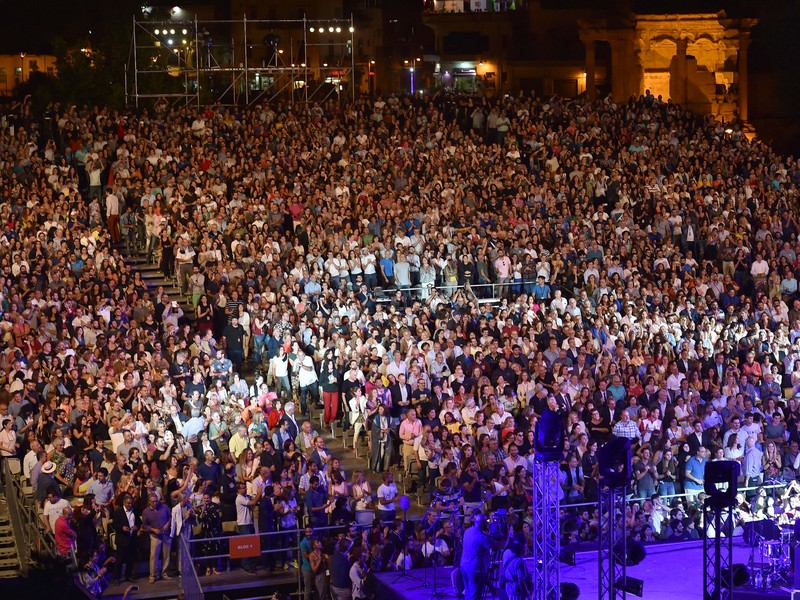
x,y
425,562
404,572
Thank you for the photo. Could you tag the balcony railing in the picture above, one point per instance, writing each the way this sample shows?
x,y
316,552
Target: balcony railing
x,y
471,6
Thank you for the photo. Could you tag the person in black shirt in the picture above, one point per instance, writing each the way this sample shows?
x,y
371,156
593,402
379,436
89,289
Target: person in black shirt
x,y
233,334
470,484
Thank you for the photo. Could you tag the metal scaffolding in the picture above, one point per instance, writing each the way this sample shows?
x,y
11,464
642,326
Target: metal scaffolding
x,y
218,62
721,483
613,543
546,529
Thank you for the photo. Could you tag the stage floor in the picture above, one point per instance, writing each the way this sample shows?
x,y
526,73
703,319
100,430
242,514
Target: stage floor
x,y
670,572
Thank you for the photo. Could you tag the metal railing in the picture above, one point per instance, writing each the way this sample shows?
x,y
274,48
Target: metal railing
x,y
29,533
190,582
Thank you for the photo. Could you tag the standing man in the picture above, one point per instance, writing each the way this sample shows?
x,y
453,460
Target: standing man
x,y
387,496
184,257
157,521
244,519
64,534
341,585
752,465
112,215
234,343
475,556
410,430
307,378
646,475
306,547
126,524
695,474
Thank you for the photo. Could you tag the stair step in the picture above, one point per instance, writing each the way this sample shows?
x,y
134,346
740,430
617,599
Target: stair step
x,y
9,563
8,552
5,530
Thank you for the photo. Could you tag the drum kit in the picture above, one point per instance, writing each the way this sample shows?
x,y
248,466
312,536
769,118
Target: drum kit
x,y
772,560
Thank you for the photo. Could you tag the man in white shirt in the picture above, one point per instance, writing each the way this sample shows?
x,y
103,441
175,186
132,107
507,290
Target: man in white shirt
x,y
244,518
387,496
30,459
112,215
53,507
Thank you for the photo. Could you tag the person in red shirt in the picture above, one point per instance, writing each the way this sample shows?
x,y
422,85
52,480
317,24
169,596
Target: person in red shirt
x,y
64,534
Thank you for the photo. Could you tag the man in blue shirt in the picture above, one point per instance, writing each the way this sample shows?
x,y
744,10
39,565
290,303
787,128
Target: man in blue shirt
x,y
305,565
387,268
695,474
541,291
475,555
156,520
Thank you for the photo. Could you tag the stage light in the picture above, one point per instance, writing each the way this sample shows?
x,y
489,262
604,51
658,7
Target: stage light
x,y
352,29
311,30
169,41
338,30
303,65
172,32
631,585
330,29
549,439
720,482
184,42
614,462
157,31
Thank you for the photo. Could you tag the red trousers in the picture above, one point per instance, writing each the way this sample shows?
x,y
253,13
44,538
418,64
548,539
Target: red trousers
x,y
331,402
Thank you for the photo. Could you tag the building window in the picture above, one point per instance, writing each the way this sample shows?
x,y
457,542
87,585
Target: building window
x,y
3,77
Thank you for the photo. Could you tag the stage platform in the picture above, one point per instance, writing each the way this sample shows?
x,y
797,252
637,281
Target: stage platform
x,y
235,584
670,572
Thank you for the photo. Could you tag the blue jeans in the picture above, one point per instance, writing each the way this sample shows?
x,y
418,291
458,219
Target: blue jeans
x,y
247,563
646,492
666,488
258,346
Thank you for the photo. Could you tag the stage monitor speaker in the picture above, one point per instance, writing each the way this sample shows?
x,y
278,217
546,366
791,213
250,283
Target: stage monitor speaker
x,y
741,576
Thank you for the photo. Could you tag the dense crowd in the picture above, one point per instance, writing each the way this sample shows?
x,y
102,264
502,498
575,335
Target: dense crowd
x,y
435,272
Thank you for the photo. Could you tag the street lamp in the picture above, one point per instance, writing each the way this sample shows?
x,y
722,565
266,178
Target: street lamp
x,y
412,69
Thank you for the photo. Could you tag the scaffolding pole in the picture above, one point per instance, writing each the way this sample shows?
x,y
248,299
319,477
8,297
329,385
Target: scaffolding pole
x,y
546,534
613,543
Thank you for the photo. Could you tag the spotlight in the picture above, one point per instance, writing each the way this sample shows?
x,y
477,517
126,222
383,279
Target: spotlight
x,y
330,29
549,440
631,585
169,41
157,31
614,462
172,32
352,29
183,42
184,31
338,30
720,482
311,30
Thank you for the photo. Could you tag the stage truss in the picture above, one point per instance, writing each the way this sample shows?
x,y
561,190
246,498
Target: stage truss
x,y
198,62
546,530
613,543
